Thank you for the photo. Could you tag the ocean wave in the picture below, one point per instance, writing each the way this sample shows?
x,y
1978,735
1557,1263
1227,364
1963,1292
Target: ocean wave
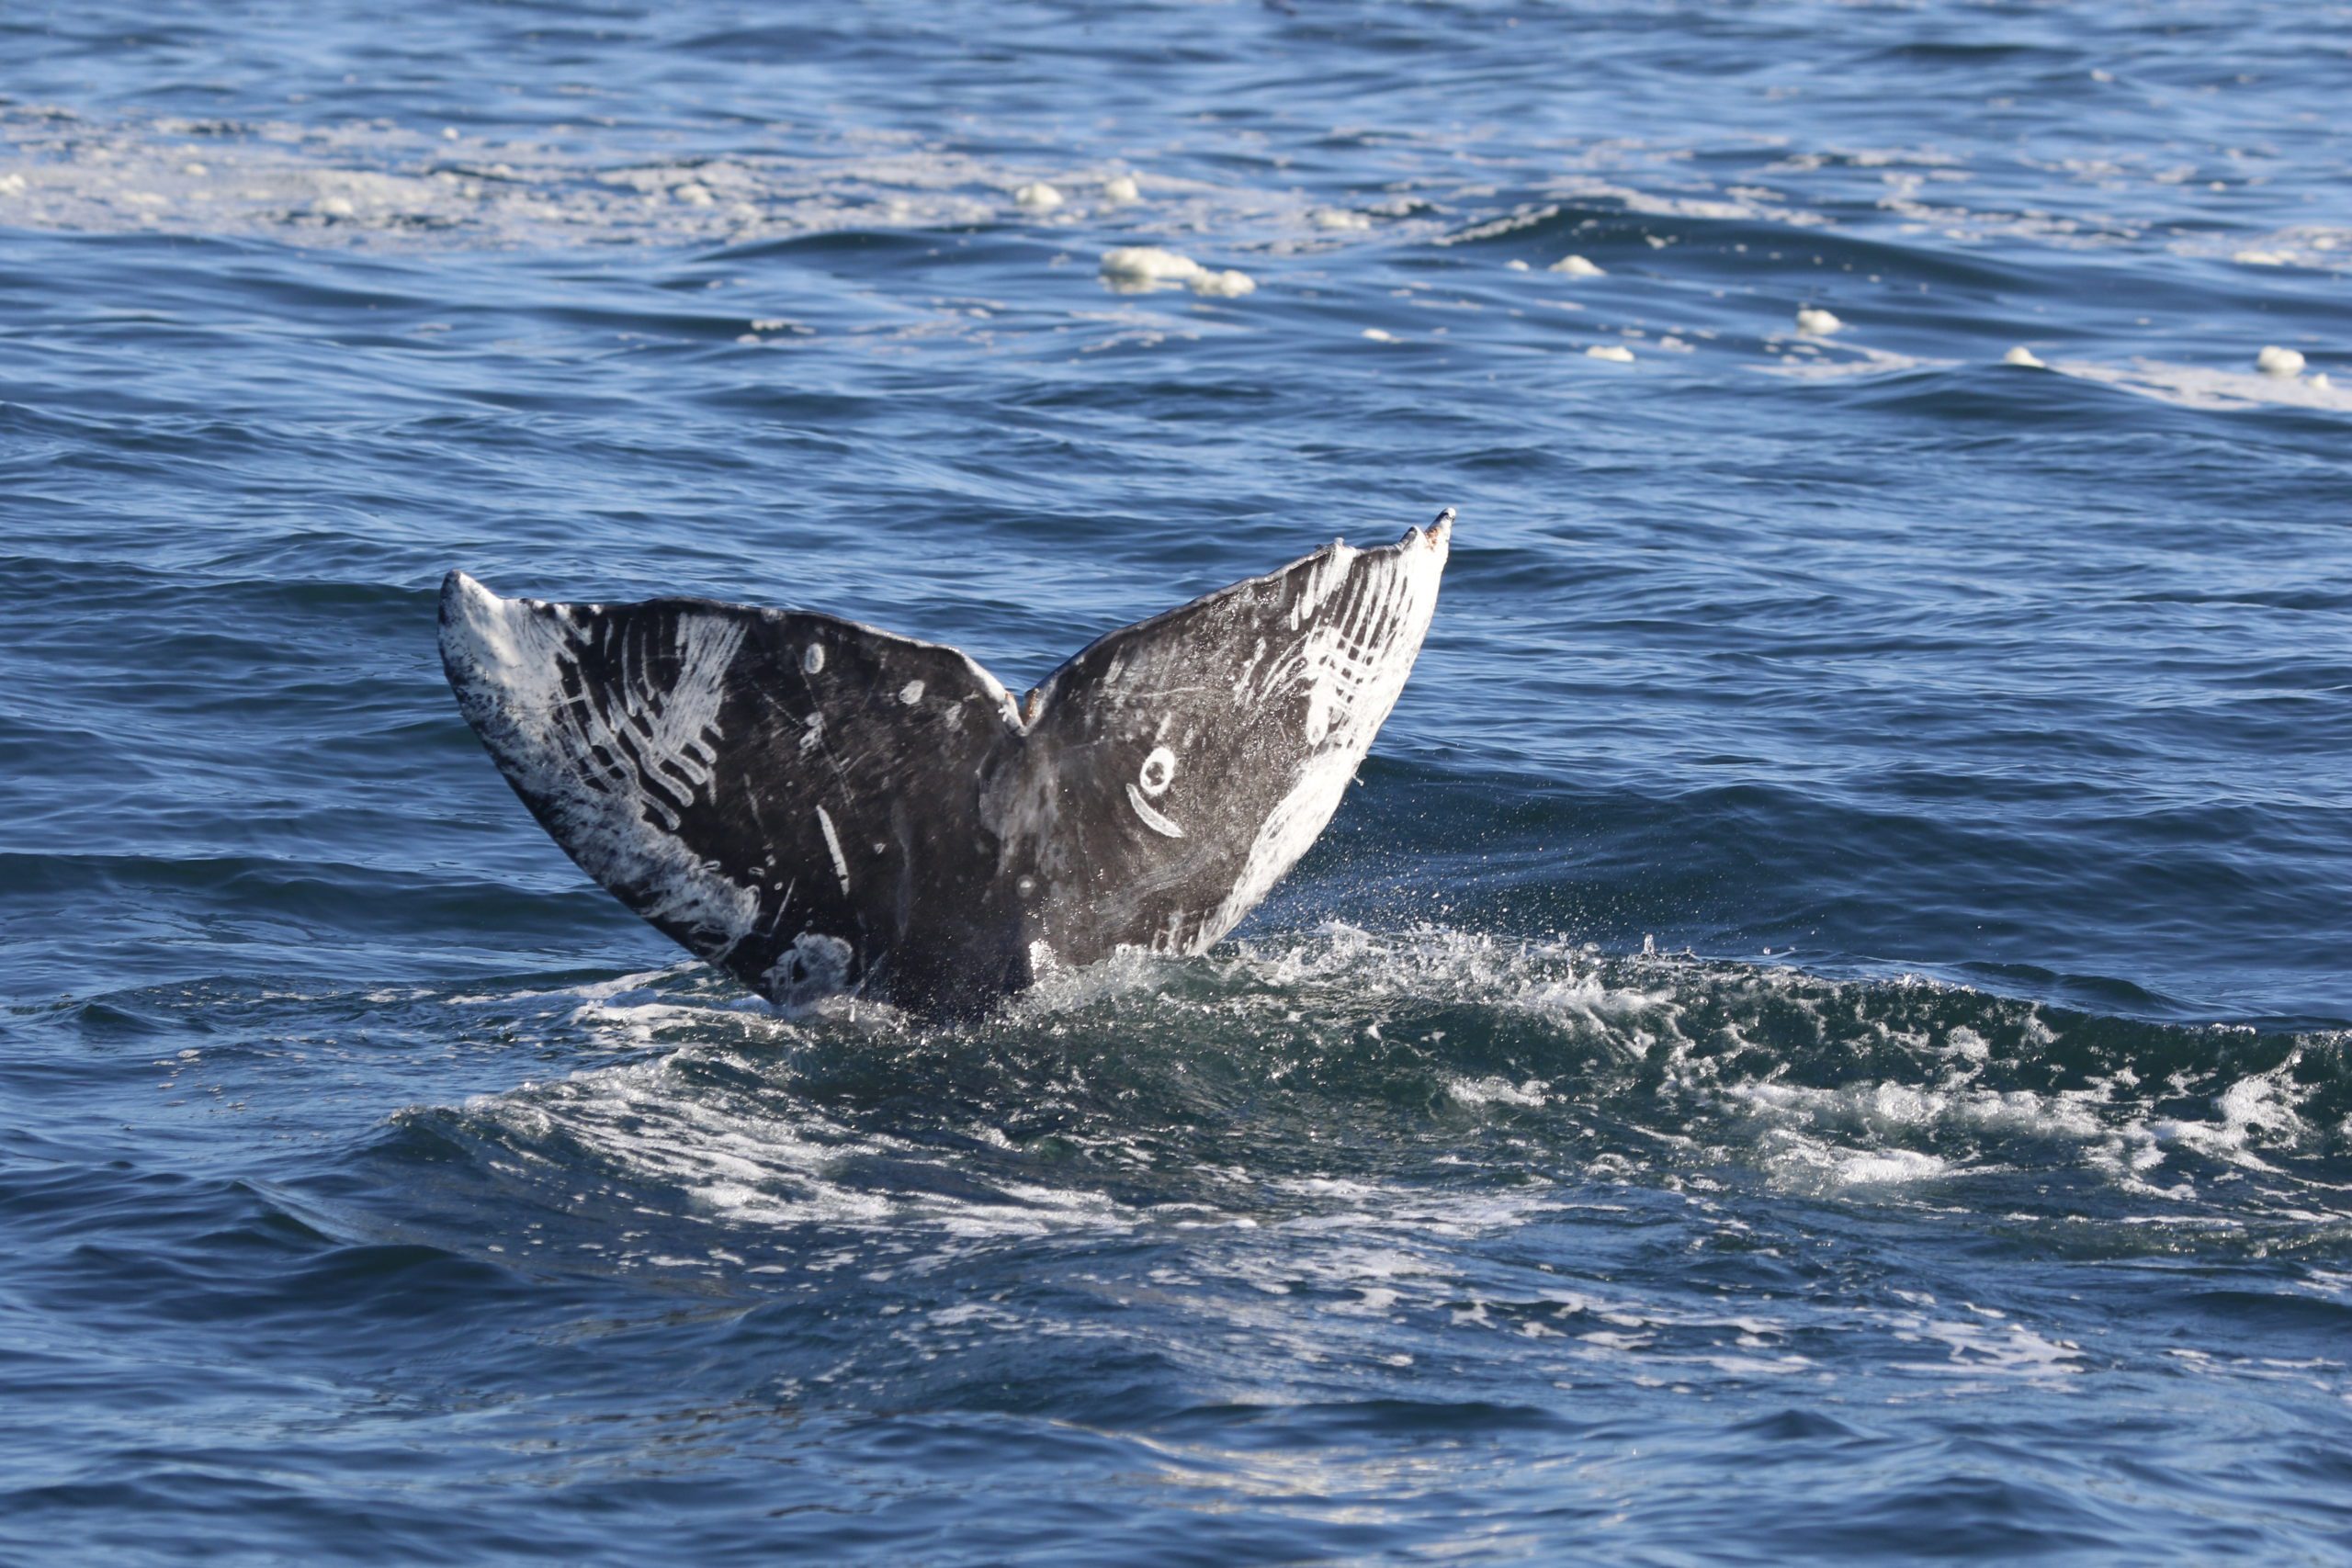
x,y
1334,1077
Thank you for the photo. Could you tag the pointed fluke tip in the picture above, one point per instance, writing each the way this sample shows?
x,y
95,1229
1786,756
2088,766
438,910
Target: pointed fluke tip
x,y
460,596
1439,531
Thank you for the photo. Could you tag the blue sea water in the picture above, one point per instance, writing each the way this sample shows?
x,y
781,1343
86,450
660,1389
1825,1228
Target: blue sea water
x,y
1822,1034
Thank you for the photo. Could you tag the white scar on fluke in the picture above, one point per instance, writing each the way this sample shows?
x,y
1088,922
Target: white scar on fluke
x,y
833,847
813,805
1151,820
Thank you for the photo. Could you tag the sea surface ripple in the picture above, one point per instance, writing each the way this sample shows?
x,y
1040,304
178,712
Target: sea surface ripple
x,y
1822,1034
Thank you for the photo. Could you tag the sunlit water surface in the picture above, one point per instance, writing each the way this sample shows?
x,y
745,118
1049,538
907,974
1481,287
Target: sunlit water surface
x,y
1821,1035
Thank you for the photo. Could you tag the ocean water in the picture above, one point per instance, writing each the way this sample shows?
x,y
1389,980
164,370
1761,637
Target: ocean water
x,y
1822,1034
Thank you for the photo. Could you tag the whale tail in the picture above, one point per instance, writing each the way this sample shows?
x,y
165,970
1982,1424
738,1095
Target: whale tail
x,y
818,806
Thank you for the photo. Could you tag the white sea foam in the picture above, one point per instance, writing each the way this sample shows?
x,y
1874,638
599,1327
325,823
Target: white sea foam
x,y
2315,247
1670,1049
2204,386
1550,980
1997,1348
376,184
373,184
763,1161
2258,1107
1139,269
2276,361
1841,361
1496,1091
1226,285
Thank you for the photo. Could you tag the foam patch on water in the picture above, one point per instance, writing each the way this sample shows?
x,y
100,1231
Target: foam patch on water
x,y
581,993
1847,363
382,184
1955,1113
1987,1344
1666,1072
2260,1108
2308,246
1566,191
1552,979
1143,269
2206,386
1497,1091
379,185
756,1159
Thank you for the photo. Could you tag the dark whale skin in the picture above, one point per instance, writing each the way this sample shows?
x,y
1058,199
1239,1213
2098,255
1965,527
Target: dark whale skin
x,y
817,806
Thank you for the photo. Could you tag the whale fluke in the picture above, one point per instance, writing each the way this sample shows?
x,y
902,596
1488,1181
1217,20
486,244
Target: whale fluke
x,y
817,806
